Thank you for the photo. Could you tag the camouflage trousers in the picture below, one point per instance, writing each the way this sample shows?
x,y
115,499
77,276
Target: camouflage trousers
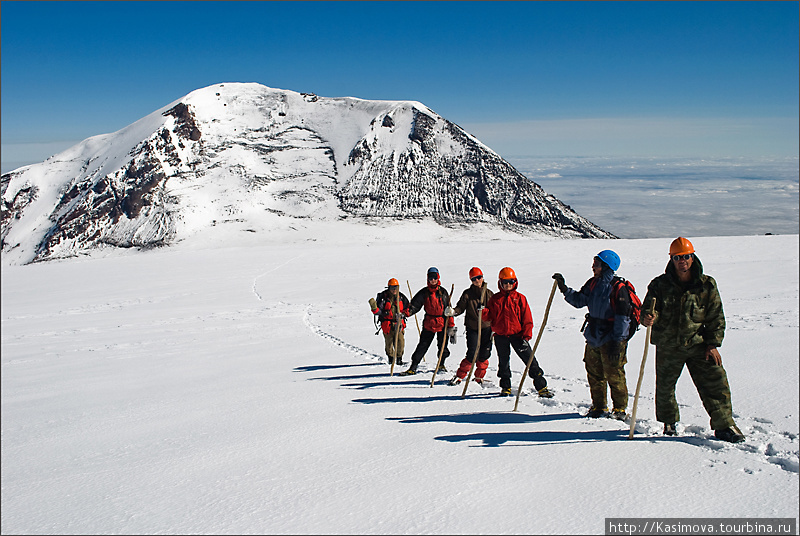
x,y
389,346
605,371
710,380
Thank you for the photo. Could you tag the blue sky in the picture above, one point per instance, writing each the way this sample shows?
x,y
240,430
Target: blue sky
x,y
527,78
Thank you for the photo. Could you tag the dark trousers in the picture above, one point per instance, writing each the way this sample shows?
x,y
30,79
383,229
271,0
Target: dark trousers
x,y
425,340
472,343
504,344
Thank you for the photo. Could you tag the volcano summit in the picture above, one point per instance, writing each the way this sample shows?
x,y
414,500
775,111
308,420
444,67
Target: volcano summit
x,y
266,160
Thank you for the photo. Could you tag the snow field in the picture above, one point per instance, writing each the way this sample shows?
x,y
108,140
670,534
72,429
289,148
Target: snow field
x,y
242,390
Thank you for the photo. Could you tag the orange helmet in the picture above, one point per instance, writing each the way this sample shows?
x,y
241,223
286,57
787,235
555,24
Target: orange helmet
x,y
475,271
507,273
393,283
680,246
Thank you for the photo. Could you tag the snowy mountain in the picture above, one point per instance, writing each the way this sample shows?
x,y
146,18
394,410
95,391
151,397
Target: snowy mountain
x,y
267,160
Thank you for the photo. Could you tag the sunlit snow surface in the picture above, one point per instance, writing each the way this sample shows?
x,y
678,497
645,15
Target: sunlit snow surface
x,y
231,387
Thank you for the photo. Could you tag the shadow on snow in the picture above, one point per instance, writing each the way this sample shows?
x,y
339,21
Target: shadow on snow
x,y
313,368
499,439
487,417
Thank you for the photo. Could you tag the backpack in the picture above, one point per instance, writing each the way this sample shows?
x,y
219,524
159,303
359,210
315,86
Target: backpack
x,y
385,297
636,304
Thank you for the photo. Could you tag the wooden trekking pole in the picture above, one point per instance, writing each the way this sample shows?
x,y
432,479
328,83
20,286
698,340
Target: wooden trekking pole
x,y
410,297
474,355
651,311
536,344
478,344
444,332
397,333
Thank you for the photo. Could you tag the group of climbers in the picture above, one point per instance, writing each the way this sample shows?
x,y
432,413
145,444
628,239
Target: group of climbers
x,y
687,324
504,316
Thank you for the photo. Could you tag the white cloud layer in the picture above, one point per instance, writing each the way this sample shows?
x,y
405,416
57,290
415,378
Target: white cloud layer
x,y
660,197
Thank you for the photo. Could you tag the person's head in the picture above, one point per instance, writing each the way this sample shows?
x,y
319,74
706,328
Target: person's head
x,y
605,259
681,253
476,276
433,276
507,280
393,285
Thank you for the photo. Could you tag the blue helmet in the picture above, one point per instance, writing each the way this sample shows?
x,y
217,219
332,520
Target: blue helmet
x,y
610,258
433,270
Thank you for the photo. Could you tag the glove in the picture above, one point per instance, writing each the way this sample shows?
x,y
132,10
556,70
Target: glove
x,y
448,311
562,286
614,351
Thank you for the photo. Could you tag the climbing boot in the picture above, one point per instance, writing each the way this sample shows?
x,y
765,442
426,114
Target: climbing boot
x,y
619,414
595,412
731,435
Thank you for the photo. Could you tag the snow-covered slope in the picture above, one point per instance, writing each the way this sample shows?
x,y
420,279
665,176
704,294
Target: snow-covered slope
x,y
266,160
243,390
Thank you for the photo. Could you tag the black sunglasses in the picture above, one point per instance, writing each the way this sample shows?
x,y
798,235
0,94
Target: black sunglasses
x,y
686,257
476,277
508,281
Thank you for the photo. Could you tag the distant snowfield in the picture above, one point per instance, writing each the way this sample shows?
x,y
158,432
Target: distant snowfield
x,y
226,387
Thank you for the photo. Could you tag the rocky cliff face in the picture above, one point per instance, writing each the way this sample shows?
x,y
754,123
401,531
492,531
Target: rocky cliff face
x,y
448,175
261,157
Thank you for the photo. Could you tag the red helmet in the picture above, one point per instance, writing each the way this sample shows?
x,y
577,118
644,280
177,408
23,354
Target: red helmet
x,y
393,283
507,273
475,271
680,246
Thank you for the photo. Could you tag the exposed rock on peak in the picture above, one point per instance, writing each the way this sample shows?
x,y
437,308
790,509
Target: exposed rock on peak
x,y
185,126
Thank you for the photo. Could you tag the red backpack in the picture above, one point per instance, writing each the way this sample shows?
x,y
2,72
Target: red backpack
x,y
636,304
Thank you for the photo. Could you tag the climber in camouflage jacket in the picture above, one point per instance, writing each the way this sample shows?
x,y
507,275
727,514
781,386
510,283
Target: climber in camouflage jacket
x,y
688,314
687,328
